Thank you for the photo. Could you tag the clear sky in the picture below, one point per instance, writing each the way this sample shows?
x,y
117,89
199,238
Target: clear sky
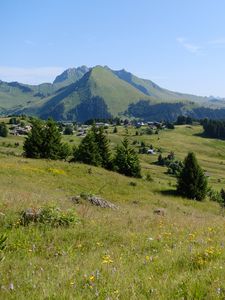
x,y
179,44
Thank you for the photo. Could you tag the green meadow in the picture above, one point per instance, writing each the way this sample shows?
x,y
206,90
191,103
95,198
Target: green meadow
x,y
127,253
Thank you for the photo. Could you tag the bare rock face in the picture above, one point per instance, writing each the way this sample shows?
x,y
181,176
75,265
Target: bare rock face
x,y
94,200
159,211
101,202
30,215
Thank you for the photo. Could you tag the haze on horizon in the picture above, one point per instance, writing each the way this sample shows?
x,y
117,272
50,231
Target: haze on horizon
x,y
180,45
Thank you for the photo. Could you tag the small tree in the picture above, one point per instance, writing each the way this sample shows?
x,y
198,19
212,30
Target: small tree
x,y
68,130
88,152
126,160
44,141
103,146
115,130
192,182
222,194
3,130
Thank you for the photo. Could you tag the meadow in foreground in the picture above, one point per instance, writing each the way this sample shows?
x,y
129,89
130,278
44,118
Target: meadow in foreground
x,y
129,253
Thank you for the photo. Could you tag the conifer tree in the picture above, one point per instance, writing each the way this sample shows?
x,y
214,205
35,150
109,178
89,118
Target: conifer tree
x,y
103,146
126,160
222,194
192,182
33,143
88,152
3,130
44,141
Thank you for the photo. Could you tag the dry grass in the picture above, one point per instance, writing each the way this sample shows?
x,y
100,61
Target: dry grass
x,y
130,253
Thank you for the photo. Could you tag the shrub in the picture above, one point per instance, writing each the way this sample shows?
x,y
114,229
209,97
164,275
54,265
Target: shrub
x,y
3,239
149,177
222,195
115,130
214,195
52,216
68,130
3,130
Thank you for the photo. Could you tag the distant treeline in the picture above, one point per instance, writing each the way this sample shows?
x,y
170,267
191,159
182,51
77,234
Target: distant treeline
x,y
148,111
214,128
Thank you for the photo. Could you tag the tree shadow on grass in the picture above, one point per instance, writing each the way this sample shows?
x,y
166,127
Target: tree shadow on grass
x,y
205,136
169,192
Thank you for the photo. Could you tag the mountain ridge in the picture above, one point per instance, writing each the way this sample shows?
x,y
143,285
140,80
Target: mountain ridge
x,y
100,91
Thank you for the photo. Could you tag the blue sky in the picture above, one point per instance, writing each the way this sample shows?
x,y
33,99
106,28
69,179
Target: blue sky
x,y
179,44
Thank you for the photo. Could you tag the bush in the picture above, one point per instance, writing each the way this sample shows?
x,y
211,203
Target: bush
x,y
214,195
3,130
149,177
175,168
68,130
115,130
3,239
222,195
52,216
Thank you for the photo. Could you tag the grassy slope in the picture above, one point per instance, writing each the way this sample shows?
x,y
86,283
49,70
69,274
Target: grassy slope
x,y
177,256
152,89
117,93
99,82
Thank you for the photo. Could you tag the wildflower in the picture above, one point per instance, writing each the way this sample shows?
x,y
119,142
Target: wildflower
x,y
150,239
191,236
107,259
92,278
147,257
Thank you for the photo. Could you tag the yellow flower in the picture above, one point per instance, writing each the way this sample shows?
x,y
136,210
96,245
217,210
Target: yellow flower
x,y
107,259
92,278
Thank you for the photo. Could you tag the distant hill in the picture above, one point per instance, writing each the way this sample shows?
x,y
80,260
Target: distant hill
x,y
83,93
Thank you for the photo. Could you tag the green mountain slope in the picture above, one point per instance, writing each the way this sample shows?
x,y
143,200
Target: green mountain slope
x,y
99,92
83,93
150,88
14,95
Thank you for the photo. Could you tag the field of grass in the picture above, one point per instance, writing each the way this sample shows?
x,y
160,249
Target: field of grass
x,y
128,253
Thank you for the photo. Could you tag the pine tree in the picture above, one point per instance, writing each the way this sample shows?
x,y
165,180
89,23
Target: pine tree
x,y
115,130
222,194
44,141
126,160
3,130
51,145
192,182
88,152
33,143
103,146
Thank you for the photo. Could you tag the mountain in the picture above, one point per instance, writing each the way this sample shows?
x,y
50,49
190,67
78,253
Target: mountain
x,y
98,94
15,96
70,76
83,93
151,89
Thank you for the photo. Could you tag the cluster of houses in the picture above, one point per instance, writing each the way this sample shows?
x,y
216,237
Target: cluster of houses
x,y
17,129
152,125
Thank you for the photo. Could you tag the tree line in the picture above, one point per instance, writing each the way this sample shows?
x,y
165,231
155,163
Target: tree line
x,y
214,128
44,141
